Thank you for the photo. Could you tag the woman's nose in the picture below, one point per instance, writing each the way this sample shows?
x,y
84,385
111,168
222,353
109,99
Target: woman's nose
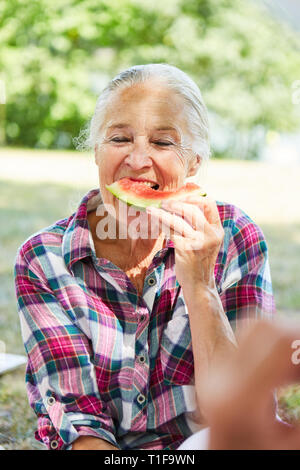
x,y
139,156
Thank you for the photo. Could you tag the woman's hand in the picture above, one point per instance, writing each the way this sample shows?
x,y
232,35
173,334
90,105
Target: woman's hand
x,y
195,228
194,225
238,396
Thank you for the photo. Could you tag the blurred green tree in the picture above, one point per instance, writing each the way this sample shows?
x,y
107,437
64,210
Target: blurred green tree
x,y
55,57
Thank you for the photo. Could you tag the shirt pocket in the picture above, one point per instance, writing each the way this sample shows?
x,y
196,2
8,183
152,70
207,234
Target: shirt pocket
x,y
176,353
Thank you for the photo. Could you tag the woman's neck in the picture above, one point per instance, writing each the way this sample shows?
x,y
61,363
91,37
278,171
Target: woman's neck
x,y
131,252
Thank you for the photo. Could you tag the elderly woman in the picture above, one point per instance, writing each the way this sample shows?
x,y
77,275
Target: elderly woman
x,y
120,331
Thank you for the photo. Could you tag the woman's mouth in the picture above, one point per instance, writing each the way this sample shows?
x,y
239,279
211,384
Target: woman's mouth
x,y
149,183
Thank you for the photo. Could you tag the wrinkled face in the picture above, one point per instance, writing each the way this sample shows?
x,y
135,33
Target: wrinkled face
x,y
145,127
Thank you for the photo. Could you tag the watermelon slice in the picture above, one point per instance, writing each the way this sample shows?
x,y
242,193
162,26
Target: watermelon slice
x,y
138,194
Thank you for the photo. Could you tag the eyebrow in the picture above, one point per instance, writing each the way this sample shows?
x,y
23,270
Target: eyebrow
x,y
122,125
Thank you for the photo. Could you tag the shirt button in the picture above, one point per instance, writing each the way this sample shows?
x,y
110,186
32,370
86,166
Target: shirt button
x,y
142,359
141,398
51,401
54,445
151,281
142,317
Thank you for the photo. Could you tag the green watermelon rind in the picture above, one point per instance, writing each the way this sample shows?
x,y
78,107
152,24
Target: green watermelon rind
x,y
130,200
141,203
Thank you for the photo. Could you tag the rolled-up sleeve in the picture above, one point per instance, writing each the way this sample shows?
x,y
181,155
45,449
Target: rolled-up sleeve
x,y
60,376
246,286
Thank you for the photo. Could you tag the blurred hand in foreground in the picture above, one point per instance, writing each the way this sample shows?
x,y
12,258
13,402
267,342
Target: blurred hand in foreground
x,y
239,395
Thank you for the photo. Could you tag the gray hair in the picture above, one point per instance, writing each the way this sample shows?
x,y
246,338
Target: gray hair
x,y
172,77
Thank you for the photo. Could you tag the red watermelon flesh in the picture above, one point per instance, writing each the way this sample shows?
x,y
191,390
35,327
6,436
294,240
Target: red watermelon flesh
x,y
138,194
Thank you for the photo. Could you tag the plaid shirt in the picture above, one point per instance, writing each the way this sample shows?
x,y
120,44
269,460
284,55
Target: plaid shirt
x,y
106,362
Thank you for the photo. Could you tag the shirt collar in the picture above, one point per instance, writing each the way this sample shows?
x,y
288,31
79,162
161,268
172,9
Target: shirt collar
x,y
76,243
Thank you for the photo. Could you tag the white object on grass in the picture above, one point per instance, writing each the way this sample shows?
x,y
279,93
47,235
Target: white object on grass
x,y
10,362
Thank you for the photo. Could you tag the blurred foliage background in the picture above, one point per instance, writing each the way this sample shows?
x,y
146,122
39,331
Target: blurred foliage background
x,y
55,57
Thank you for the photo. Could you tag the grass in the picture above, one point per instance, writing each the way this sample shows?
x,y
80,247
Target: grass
x,y
38,188
25,209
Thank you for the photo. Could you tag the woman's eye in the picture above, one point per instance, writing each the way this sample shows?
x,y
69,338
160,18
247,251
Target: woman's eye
x,y
119,139
163,143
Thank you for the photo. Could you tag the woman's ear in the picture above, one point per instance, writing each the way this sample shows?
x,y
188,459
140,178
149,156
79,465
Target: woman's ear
x,y
194,166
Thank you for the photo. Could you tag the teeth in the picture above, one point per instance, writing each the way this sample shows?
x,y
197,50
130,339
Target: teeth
x,y
148,183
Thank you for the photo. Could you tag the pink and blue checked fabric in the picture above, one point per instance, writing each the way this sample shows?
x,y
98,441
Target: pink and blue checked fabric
x,y
106,362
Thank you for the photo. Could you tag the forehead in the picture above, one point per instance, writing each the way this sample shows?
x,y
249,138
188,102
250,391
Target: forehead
x,y
149,104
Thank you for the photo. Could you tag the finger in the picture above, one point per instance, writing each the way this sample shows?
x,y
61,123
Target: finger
x,y
211,211
290,438
189,212
192,199
189,201
196,218
207,205
267,352
173,221
182,244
